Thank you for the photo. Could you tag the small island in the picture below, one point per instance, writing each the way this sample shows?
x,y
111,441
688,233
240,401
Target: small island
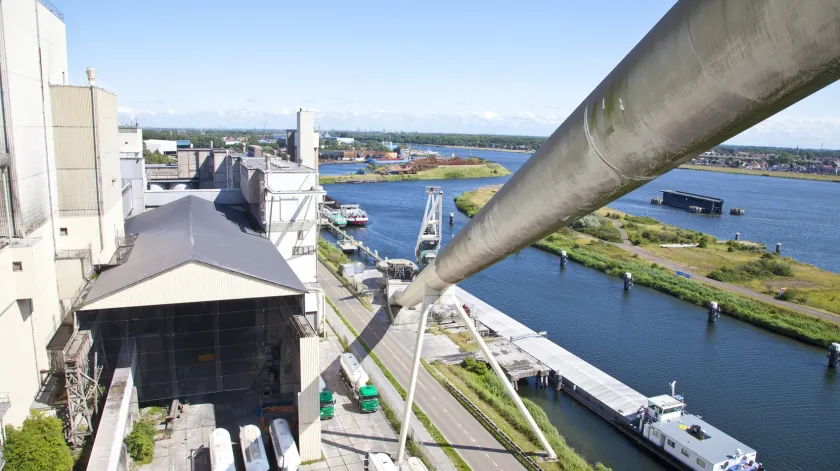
x,y
428,168
749,282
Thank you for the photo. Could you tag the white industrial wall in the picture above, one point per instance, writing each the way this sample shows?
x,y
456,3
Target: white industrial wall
x,y
304,266
133,166
26,27
86,126
35,55
309,407
24,333
160,145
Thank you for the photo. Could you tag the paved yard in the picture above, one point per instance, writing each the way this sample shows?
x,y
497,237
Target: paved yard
x,y
349,436
186,448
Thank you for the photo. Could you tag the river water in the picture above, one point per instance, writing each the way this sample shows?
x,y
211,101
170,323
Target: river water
x,y
774,394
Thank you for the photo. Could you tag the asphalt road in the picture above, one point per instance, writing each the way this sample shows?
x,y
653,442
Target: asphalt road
x,y
472,441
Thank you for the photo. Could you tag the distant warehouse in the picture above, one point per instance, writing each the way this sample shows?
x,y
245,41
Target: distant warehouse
x,y
692,202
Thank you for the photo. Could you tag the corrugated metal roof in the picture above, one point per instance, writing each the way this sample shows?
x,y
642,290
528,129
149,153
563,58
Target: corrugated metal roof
x,y
195,230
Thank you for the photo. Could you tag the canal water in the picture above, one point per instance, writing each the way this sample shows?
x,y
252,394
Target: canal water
x,y
774,394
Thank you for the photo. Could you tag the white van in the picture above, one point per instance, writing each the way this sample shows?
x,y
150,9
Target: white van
x,y
253,449
413,464
285,450
380,462
221,451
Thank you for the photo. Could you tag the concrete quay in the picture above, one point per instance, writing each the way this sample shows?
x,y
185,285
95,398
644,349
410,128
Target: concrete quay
x,y
599,391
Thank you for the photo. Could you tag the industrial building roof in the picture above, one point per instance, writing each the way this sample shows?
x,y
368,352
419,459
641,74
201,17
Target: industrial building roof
x,y
716,448
277,164
192,229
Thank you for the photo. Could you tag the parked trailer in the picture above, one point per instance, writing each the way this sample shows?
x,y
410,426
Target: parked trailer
x,y
355,377
380,462
413,464
285,450
253,449
221,451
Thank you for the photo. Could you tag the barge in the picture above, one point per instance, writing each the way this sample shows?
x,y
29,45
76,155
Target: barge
x,y
691,202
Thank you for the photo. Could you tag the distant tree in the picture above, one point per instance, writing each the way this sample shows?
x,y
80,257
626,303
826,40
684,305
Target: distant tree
x,y
37,446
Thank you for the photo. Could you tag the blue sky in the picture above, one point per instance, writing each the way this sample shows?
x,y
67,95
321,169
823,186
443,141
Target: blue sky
x,y
457,66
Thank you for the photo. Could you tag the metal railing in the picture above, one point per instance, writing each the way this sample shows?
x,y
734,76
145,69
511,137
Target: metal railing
x,y
49,6
304,250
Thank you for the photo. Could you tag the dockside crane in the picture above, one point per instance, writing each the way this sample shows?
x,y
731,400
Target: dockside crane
x,y
429,239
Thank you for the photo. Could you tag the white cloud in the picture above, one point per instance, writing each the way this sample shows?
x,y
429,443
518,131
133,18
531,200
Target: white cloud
x,y
793,130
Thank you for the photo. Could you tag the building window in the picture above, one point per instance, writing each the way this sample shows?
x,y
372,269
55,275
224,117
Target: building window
x,y
671,443
684,452
17,266
656,433
701,463
301,235
62,231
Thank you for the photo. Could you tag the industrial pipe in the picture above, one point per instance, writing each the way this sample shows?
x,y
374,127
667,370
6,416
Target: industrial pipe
x,y
707,71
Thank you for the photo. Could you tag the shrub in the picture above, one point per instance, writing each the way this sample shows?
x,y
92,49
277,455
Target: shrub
x,y
37,446
641,219
703,244
758,269
140,443
474,366
590,220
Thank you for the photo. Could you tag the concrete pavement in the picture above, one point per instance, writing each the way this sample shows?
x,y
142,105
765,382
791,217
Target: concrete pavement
x,y
467,436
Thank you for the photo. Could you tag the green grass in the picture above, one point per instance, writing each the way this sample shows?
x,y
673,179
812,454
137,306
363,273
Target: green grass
x,y
766,267
764,173
783,321
486,170
615,261
331,254
438,437
486,391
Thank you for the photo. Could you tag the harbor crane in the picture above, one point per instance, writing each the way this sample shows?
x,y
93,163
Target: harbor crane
x,y
429,239
708,70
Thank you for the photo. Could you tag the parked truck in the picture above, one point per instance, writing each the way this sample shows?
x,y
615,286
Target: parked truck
x,y
327,401
356,379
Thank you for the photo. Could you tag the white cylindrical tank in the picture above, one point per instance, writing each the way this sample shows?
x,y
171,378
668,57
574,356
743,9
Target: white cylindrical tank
x,y
413,464
353,370
253,449
157,186
380,462
221,451
285,450
181,186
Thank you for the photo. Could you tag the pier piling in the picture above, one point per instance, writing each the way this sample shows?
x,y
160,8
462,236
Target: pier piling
x,y
564,258
714,311
834,355
737,236
451,219
628,280
779,248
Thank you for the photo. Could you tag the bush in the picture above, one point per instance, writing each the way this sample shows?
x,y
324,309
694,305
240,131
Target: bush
x,y
474,366
590,220
37,446
141,442
703,244
758,269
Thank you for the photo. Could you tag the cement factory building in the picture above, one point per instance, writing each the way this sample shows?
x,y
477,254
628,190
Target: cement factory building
x,y
211,288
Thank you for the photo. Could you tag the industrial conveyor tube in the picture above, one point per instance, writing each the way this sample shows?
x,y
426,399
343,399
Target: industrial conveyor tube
x,y
707,71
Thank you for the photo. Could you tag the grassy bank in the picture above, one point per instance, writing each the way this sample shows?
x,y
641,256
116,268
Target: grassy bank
x,y
460,464
739,263
615,261
765,173
489,169
484,389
